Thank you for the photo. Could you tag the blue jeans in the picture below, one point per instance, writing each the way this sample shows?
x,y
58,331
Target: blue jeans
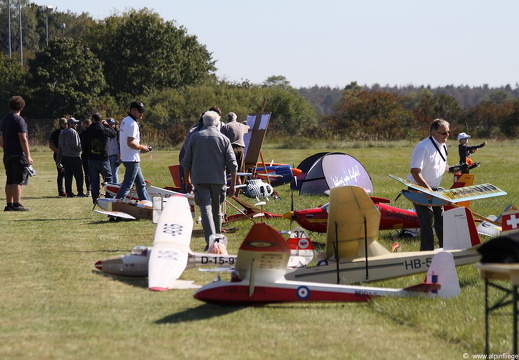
x,y
114,167
96,168
133,174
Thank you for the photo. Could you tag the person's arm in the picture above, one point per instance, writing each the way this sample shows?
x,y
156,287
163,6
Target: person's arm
x,y
1,140
53,147
231,191
187,180
417,176
24,142
132,143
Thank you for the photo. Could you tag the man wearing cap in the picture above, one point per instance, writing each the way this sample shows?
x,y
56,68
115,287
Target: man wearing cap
x,y
17,155
95,139
428,163
53,145
69,155
464,150
208,155
130,147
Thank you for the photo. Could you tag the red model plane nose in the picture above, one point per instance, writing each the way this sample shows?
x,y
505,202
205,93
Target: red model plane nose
x,y
99,265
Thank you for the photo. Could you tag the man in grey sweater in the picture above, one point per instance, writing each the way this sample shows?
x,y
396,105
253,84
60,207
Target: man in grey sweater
x,y
69,156
208,155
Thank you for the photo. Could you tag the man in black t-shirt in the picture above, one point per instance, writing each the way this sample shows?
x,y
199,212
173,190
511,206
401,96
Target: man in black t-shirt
x,y
53,145
17,155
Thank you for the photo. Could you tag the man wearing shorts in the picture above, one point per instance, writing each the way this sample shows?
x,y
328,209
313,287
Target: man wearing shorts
x,y
17,155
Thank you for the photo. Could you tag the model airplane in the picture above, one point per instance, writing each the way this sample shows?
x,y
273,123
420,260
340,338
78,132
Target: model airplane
x,y
249,211
353,241
257,189
171,255
278,174
455,195
259,278
132,198
316,219
132,210
135,264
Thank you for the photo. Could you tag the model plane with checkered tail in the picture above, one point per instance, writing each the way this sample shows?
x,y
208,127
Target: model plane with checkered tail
x,y
259,278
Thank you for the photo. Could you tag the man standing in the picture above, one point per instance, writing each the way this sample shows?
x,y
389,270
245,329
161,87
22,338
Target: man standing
x,y
130,147
428,163
69,155
208,155
235,132
112,149
53,145
17,155
95,138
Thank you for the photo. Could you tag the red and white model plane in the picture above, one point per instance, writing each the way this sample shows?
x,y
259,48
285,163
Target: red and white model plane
x,y
259,278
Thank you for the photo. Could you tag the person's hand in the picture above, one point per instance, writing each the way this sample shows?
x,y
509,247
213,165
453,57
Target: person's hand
x,y
29,160
189,187
231,190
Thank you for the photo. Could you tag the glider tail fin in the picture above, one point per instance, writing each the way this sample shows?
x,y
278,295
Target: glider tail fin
x,y
459,229
441,279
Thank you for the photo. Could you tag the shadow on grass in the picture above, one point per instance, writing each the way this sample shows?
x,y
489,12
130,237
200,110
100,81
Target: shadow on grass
x,y
202,312
140,282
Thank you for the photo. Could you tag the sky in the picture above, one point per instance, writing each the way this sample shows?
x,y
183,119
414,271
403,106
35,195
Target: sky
x,y
335,42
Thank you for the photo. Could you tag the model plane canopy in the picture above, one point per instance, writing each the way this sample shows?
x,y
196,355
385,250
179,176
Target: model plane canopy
x,y
352,220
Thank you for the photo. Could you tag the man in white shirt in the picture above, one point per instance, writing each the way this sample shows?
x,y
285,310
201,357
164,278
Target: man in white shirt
x,y
428,163
130,147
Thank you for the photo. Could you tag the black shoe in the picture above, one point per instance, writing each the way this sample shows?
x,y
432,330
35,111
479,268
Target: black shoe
x,y
8,208
19,208
71,195
82,195
63,194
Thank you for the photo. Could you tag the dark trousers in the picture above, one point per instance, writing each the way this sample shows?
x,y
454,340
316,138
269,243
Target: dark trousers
x,y
84,163
73,168
59,179
429,217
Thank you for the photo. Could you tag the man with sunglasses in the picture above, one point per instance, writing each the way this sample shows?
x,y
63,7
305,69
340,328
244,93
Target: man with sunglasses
x,y
130,147
428,163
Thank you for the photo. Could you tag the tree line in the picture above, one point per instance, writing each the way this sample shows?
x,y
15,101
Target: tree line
x,y
92,65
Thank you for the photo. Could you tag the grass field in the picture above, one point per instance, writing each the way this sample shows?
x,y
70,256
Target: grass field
x,y
55,305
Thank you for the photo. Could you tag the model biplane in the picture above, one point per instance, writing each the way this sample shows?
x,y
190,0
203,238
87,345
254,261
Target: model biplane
x,y
316,219
353,253
259,278
249,211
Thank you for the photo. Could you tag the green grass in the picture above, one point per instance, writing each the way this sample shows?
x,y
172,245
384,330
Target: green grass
x,y
55,305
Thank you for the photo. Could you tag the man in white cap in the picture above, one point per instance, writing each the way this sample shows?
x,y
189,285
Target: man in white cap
x,y
464,151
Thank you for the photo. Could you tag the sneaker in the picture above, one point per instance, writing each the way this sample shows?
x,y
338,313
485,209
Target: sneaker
x,y
8,208
19,208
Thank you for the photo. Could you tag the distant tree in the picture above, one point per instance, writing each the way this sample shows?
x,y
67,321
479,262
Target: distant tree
x,y
67,78
370,115
142,52
277,80
13,80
